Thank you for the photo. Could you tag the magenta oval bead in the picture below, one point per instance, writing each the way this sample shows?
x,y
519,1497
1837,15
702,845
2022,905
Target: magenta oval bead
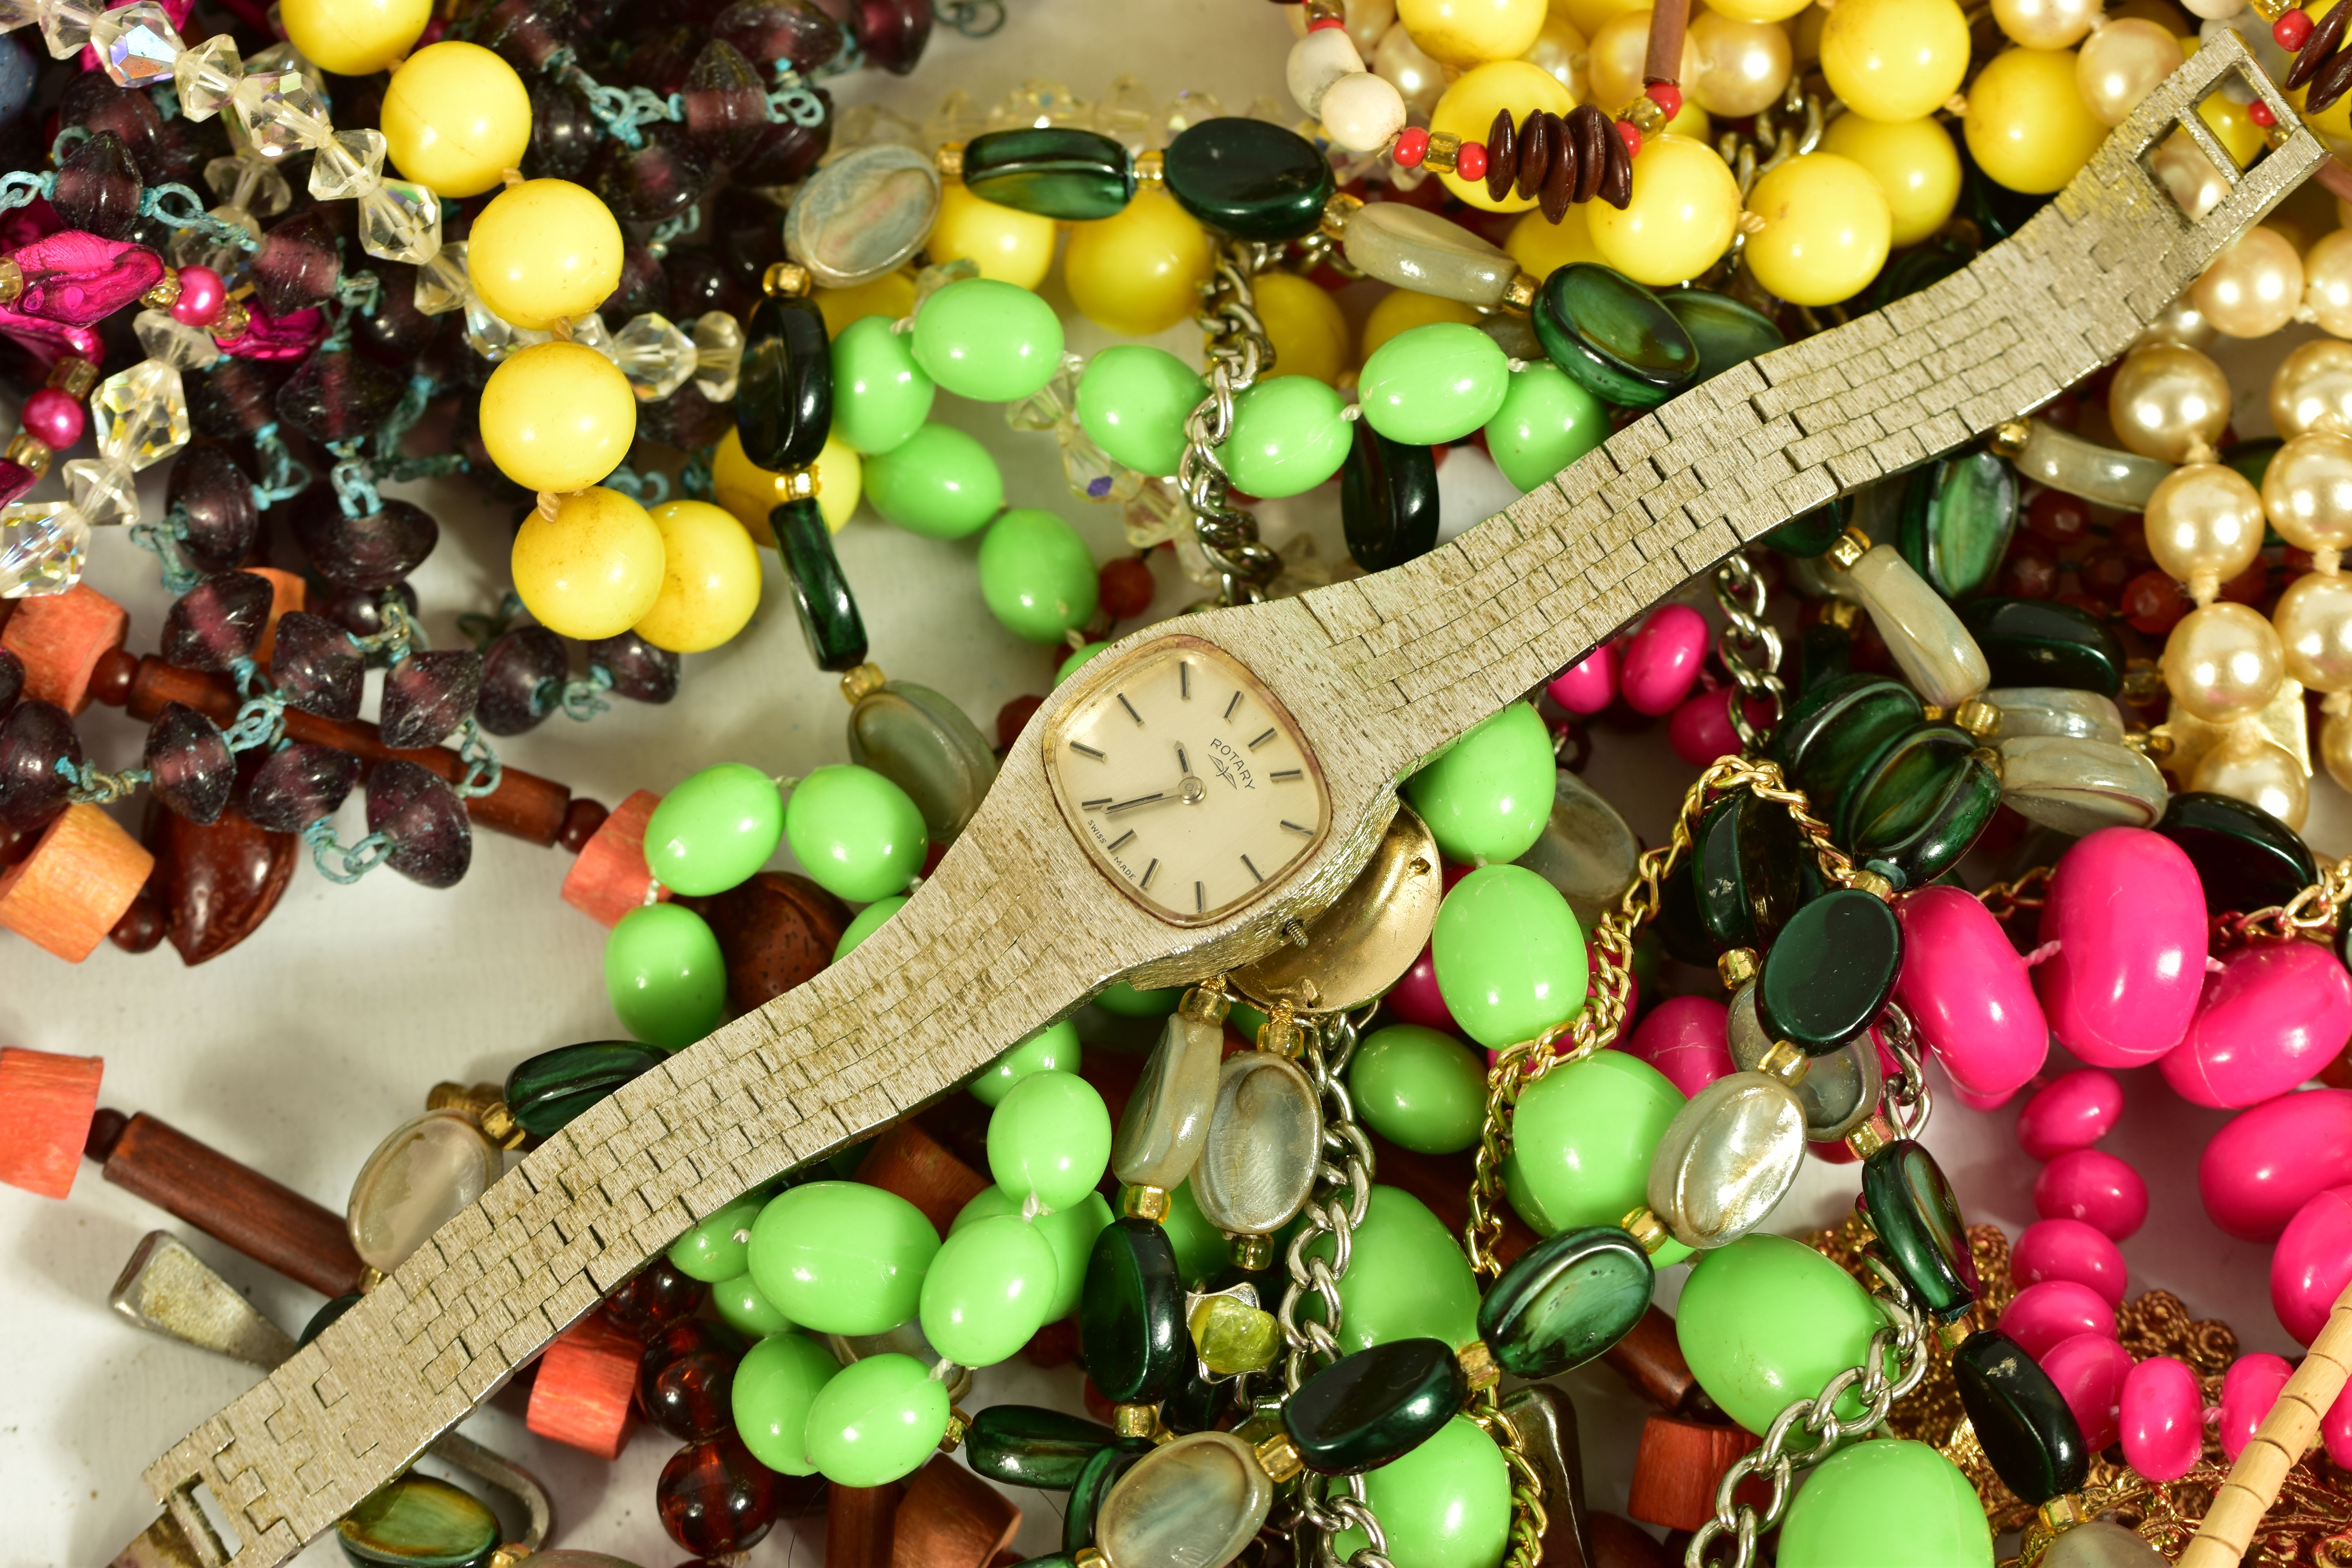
x,y
1590,683
2095,1187
2069,1249
2128,916
53,416
1415,998
1969,992
2249,1388
2161,1417
2072,1111
1663,658
1701,728
1687,1039
2089,1370
2336,1429
2040,1315
2269,1160
202,296
2313,1263
1983,1101
2270,1018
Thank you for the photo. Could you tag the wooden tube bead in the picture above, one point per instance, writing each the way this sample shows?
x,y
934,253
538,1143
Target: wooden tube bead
x,y
611,877
1678,1468
46,1103
1650,1359
82,874
2285,1434
61,637
286,592
859,1526
581,1393
909,1162
951,1519
272,1225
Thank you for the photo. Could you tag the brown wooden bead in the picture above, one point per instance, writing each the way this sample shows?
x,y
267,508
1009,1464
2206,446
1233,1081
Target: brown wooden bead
x,y
110,682
2329,83
1617,177
105,1132
286,592
1621,1543
1678,1468
1014,717
1650,1359
859,1523
1540,143
61,637
585,1388
1502,155
951,1519
216,883
611,877
1662,60
274,1226
582,818
81,876
46,1103
2318,48
909,1162
775,930
1589,130
143,925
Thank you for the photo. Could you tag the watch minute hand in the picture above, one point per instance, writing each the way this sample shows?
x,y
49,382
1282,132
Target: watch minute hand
x,y
1131,805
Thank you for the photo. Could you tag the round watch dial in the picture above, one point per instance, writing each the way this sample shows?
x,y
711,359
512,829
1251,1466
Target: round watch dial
x,y
1188,784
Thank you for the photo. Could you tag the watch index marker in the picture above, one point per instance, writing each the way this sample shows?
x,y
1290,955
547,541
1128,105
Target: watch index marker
x,y
1184,679
1255,874
1086,751
1149,871
1114,844
1199,899
1302,832
1130,709
1234,704
1271,732
1287,775
1184,762
1093,805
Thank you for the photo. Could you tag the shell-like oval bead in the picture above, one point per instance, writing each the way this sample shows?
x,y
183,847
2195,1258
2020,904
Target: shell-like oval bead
x,y
427,1170
1265,1134
1727,1159
1166,1120
1200,1499
1925,637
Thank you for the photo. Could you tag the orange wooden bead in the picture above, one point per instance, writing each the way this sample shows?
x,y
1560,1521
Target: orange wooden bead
x,y
286,592
951,1518
859,1525
611,877
1679,1466
69,892
909,1162
583,1393
46,1102
61,637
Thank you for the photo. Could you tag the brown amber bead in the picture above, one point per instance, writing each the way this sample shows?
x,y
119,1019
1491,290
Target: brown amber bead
x,y
658,1296
715,1497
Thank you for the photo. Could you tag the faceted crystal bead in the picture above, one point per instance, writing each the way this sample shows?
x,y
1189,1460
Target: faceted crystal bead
x,y
34,739
590,332
421,1176
136,43
250,182
176,343
299,783
142,414
522,672
544,1092
718,355
42,545
316,667
1265,1135
104,492
348,165
431,839
194,769
1199,1499
1565,1300
66,25
195,247
655,355
399,221
98,187
441,285
216,623
207,75
275,111
1167,1117
426,695
492,338
1368,1408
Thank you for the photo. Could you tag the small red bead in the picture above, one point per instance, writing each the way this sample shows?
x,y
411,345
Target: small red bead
x,y
1632,137
55,417
2260,113
1124,587
202,297
1666,96
1326,25
1412,146
2292,30
1470,163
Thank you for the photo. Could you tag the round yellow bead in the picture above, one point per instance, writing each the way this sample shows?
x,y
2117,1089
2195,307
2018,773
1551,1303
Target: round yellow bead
x,y
1619,56
841,480
1470,32
1589,17
558,416
1401,310
1915,166
1005,244
2234,127
1685,210
1468,109
891,295
1562,52
1305,324
455,118
591,571
1758,10
1543,248
2027,125
1825,229
1895,59
749,492
544,252
710,578
354,37
1140,272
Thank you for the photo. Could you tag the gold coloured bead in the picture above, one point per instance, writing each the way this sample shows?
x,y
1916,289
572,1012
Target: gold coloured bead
x,y
1144,1203
1644,1226
1089,1557
861,681
1135,1420
1932,713
1520,297
2009,437
31,451
948,160
73,377
1478,1366
1445,150
234,320
1955,1333
1872,1136
787,280
12,281
1736,967
1840,613
2155,744
2143,681
1336,212
1280,1033
2063,1512
1851,546
1869,882
1785,1061
164,294
486,1104
1649,117
1151,169
1207,1001
1250,1252
958,1424
370,1278
799,484
1976,716
1278,1457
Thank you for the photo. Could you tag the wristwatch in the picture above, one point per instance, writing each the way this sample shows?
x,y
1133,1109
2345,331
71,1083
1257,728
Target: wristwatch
x,y
1187,792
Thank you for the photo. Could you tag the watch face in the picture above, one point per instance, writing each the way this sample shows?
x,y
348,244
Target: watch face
x,y
1188,784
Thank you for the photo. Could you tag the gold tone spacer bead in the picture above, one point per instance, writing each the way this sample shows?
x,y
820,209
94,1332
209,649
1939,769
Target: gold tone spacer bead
x,y
1250,1252
73,377
234,320
1872,1135
1520,297
1976,716
1785,1061
1736,968
1871,882
1478,1366
1336,212
370,1278
1135,1420
2155,744
30,450
1207,1001
1280,1033
2009,437
1839,613
800,484
1852,546
1955,1333
1278,1457
2063,1512
164,294
1645,1228
1144,1203
1649,117
12,281
786,280
948,160
1150,170
958,1424
861,682
1444,152
1089,1557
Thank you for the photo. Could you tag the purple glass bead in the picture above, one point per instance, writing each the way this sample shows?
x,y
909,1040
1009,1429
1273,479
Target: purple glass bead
x,y
299,785
786,151
714,1497
369,552
281,338
564,133
93,102
34,738
656,181
892,32
685,419
216,496
217,622
316,667
522,673
726,101
337,395
766,31
431,839
398,332
81,278
642,289
426,695
11,681
98,187
747,236
298,265
195,770
526,33
16,481
640,671
233,399
360,611
690,1397
661,59
698,282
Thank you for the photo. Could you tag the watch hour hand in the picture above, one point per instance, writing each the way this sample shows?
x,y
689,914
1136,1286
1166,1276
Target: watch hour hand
x,y
1139,800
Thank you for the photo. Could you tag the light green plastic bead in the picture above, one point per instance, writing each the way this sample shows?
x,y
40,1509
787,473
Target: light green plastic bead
x,y
1487,798
988,341
1581,1140
1071,1233
719,1246
880,395
1406,1278
1510,961
1036,575
1547,421
1053,1048
877,1422
1431,385
989,1289
841,1257
776,1383
664,975
1201,1250
1069,665
1249,1020
714,829
1445,1504
1287,436
867,921
1124,1000
743,1308
1766,1320
855,833
1420,1089
1897,1504
986,1203
939,482
1050,1135
1133,401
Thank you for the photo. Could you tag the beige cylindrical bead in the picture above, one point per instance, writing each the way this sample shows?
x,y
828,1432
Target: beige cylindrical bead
x,y
2328,281
2223,662
1620,50
1936,651
2252,288
2310,383
1418,250
1743,67
1398,61
1318,60
2045,24
2121,64
2204,524
2307,491
1362,111
2166,399
2315,627
2252,769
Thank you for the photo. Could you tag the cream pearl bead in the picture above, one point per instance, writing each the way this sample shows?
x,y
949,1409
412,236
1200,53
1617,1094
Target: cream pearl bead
x,y
2180,323
1620,53
2121,64
2307,491
1361,111
2191,177
2258,772
1318,60
2314,625
2312,382
2204,524
2214,10
2327,282
2165,399
2045,24
1743,67
1400,62
2223,662
2336,747
1561,52
2252,288
1365,20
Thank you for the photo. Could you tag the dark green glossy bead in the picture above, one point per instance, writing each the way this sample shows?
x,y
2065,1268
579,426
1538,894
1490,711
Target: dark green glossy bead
x,y
549,1090
1830,971
419,1523
1959,807
1095,1480
1912,270
2246,858
1999,211
1250,178
1365,1409
2022,1421
1614,336
829,618
1748,866
1909,802
1054,172
1388,498
1201,1405
1814,533
1833,731
2252,458
1725,331
1023,1445
1825,653
1050,1560
783,400
326,1315
2041,642
1682,931
1567,1298
1131,1315
1957,516
1918,1221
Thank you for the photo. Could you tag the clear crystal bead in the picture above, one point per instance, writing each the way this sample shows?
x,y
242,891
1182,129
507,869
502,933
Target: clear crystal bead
x,y
655,355
1187,108
1154,516
1037,102
65,28
1051,403
174,342
957,119
590,332
717,356
1090,472
105,492
870,125
1129,115
349,165
399,221
42,546
494,339
15,13
939,275
441,283
207,75
194,248
276,111
142,414
250,182
136,43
